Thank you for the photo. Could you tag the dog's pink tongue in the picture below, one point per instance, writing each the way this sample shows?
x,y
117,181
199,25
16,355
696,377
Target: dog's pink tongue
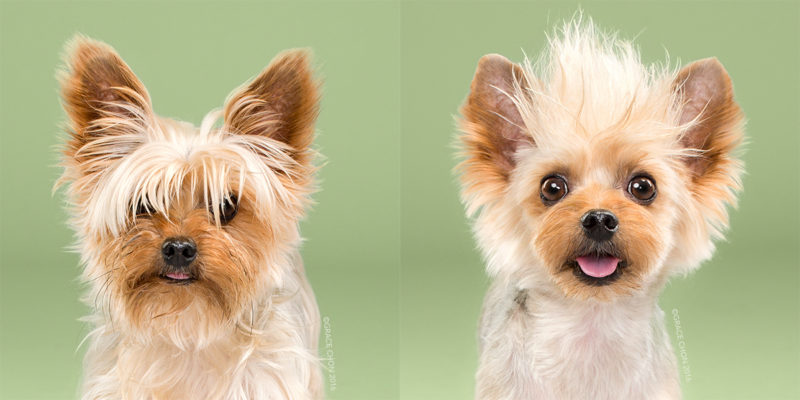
x,y
178,275
598,267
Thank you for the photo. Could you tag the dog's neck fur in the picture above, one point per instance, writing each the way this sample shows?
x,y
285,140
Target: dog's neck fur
x,y
244,361
539,344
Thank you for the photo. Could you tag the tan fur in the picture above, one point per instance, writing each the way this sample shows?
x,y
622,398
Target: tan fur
x,y
591,112
247,327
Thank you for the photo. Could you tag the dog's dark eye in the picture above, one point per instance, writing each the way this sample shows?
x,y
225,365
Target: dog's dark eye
x,y
554,188
143,208
228,209
642,188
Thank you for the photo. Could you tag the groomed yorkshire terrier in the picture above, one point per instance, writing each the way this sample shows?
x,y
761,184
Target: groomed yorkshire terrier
x,y
593,179
189,236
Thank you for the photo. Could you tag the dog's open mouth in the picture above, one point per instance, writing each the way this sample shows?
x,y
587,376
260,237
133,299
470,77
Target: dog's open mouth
x,y
598,265
598,269
178,277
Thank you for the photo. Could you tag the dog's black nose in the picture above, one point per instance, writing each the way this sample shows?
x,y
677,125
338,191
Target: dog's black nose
x,y
179,252
599,225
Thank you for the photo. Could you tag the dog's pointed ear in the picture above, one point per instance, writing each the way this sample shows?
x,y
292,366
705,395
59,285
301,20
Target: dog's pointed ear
x,y
101,95
714,130
281,103
492,126
714,118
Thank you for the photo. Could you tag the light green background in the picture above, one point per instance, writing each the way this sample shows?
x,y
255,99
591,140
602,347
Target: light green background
x,y
389,251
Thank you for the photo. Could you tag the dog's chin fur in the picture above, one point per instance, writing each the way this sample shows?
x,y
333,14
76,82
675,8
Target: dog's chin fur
x,y
591,112
265,350
245,324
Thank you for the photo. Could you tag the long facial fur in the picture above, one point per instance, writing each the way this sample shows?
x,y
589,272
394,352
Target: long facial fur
x,y
250,282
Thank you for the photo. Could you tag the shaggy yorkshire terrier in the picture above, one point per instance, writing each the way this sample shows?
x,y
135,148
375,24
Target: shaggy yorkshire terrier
x,y
593,178
189,235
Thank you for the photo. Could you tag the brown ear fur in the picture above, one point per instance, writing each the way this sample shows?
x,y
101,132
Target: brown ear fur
x,y
717,133
282,103
492,126
708,97
98,84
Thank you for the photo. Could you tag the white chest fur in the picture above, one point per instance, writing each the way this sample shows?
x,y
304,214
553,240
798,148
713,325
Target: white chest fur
x,y
537,347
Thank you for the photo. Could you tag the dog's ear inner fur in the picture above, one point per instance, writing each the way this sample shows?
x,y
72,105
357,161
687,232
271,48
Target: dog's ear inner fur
x,y
493,127
707,95
281,103
99,90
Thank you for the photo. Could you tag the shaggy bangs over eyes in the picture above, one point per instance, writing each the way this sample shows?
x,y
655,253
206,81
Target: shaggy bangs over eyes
x,y
159,163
